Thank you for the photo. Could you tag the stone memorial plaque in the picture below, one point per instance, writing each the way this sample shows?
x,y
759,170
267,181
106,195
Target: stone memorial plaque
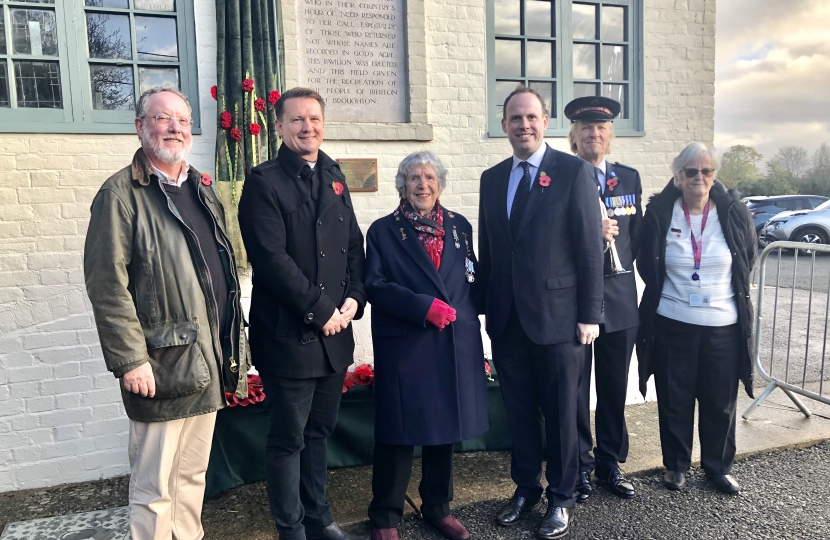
x,y
361,173
354,53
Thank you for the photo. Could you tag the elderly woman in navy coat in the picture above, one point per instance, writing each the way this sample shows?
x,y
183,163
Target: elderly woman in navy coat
x,y
430,385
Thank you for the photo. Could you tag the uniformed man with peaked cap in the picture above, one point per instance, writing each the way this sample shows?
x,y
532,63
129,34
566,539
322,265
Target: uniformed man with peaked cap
x,y
619,188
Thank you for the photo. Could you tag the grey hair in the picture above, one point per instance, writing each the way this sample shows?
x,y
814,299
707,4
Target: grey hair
x,y
692,152
141,105
422,157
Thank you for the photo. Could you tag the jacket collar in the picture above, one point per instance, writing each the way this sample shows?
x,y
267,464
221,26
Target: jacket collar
x,y
142,170
664,201
293,163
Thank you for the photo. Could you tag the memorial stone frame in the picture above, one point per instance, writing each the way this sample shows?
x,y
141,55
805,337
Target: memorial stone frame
x,y
321,28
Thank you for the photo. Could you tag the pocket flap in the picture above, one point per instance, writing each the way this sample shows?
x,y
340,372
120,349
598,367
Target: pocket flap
x,y
170,334
568,280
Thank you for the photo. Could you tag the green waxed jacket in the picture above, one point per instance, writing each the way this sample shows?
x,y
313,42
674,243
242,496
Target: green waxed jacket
x,y
152,297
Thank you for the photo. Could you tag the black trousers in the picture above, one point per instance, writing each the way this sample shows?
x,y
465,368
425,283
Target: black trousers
x,y
700,363
612,352
303,415
391,470
538,384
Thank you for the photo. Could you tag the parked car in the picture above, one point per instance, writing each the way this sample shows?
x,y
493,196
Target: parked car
x,y
811,226
764,208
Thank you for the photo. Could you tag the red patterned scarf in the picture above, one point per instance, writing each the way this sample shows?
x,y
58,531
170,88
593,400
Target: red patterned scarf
x,y
430,229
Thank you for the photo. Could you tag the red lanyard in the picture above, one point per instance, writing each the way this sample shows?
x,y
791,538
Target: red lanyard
x,y
697,247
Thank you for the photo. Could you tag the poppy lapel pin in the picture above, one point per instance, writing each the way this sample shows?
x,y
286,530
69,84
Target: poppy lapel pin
x,y
337,187
206,180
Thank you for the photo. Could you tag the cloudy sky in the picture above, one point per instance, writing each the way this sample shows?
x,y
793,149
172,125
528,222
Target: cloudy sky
x,y
772,84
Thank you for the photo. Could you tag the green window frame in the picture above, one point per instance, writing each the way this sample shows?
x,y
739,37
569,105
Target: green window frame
x,y
77,66
565,49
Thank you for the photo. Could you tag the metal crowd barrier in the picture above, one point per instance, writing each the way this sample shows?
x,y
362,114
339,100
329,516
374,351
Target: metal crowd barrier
x,y
790,389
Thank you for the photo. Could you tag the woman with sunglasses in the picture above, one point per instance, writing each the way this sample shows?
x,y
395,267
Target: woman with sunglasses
x,y
698,247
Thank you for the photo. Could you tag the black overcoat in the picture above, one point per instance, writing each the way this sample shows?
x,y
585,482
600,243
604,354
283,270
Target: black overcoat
x,y
306,251
430,385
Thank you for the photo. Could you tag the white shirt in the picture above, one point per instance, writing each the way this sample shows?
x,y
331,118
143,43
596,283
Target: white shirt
x,y
715,272
516,173
169,179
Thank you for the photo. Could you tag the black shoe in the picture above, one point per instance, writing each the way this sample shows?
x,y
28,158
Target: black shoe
x,y
617,483
674,480
513,510
332,532
725,483
583,487
556,522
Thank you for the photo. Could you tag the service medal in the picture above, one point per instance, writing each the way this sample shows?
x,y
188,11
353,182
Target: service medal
x,y
610,213
618,211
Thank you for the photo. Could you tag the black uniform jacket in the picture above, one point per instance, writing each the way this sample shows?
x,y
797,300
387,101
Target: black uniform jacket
x,y
621,289
430,385
306,251
552,269
740,236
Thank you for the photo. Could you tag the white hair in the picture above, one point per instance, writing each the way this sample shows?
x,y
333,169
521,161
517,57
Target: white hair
x,y
692,152
415,159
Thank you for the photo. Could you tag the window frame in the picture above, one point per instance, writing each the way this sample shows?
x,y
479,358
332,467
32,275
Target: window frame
x,y
558,125
78,115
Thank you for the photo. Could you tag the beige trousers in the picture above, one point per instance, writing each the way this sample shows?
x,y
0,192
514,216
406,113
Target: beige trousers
x,y
168,461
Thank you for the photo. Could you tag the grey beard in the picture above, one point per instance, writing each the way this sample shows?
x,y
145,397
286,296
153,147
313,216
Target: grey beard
x,y
163,154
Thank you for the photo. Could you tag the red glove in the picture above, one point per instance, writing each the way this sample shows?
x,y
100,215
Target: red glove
x,y
440,314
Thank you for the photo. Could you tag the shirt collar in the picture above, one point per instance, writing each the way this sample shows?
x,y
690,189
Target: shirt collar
x,y
603,167
535,160
166,179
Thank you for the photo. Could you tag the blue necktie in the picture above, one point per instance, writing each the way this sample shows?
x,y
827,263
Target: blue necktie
x,y
520,199
597,173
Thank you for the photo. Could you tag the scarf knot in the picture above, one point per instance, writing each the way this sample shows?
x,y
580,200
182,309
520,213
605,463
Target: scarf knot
x,y
430,229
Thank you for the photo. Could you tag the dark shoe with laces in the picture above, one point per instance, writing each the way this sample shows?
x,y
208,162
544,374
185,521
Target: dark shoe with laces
x,y
450,528
332,532
674,480
617,483
556,523
513,510
725,483
384,534
583,488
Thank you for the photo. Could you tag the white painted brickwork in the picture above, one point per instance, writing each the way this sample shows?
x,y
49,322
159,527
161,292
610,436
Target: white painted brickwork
x,y
61,418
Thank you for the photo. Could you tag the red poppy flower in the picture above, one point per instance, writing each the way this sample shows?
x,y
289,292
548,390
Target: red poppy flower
x,y
544,181
227,119
236,134
273,97
254,129
348,382
213,91
611,183
337,187
259,104
248,85
206,179
364,375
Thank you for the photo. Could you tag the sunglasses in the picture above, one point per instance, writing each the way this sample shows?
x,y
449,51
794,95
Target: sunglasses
x,y
691,173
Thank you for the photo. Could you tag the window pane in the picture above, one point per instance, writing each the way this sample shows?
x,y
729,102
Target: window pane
x,y
108,3
2,32
546,90
538,18
156,5
4,85
112,87
37,1
613,63
503,89
34,32
108,36
38,85
613,23
618,92
584,21
152,77
583,89
155,39
585,61
540,59
508,58
507,16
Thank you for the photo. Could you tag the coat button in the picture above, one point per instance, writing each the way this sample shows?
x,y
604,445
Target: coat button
x,y
340,218
320,222
342,250
309,317
182,336
322,253
322,287
343,283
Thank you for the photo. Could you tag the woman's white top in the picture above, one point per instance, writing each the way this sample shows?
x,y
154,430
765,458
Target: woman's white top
x,y
711,300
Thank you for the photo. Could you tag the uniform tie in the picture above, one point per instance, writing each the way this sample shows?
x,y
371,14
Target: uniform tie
x,y
597,173
520,199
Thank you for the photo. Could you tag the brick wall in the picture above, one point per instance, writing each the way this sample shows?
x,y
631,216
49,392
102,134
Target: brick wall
x,y
61,418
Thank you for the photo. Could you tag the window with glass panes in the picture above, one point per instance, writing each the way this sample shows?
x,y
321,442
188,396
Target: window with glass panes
x,y
82,63
565,49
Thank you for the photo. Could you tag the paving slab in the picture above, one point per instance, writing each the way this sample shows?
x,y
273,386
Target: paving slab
x,y
109,524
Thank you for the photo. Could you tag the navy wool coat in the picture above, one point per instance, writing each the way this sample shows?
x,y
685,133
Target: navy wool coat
x,y
430,386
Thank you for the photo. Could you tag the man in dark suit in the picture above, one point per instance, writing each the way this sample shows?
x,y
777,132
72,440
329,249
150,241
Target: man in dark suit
x,y
540,249
306,250
592,130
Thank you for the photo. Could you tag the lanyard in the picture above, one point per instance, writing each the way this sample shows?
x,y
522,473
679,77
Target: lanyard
x,y
697,247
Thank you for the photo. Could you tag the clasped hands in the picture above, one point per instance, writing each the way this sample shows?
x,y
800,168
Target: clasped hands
x,y
341,318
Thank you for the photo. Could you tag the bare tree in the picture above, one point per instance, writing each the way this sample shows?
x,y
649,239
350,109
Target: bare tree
x,y
791,160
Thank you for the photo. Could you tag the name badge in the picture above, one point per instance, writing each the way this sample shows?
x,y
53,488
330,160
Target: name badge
x,y
700,300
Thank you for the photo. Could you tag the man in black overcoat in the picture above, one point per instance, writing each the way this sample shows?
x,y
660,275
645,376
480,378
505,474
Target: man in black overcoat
x,y
306,250
620,191
540,253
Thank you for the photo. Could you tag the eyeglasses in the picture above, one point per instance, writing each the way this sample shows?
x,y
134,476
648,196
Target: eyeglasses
x,y
691,173
163,119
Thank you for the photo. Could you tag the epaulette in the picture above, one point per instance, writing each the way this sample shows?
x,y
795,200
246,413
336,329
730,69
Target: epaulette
x,y
623,165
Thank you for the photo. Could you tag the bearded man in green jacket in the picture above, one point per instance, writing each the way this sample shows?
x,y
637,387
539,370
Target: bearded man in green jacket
x,y
161,276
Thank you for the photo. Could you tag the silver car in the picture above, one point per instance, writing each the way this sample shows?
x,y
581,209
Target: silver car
x,y
811,226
